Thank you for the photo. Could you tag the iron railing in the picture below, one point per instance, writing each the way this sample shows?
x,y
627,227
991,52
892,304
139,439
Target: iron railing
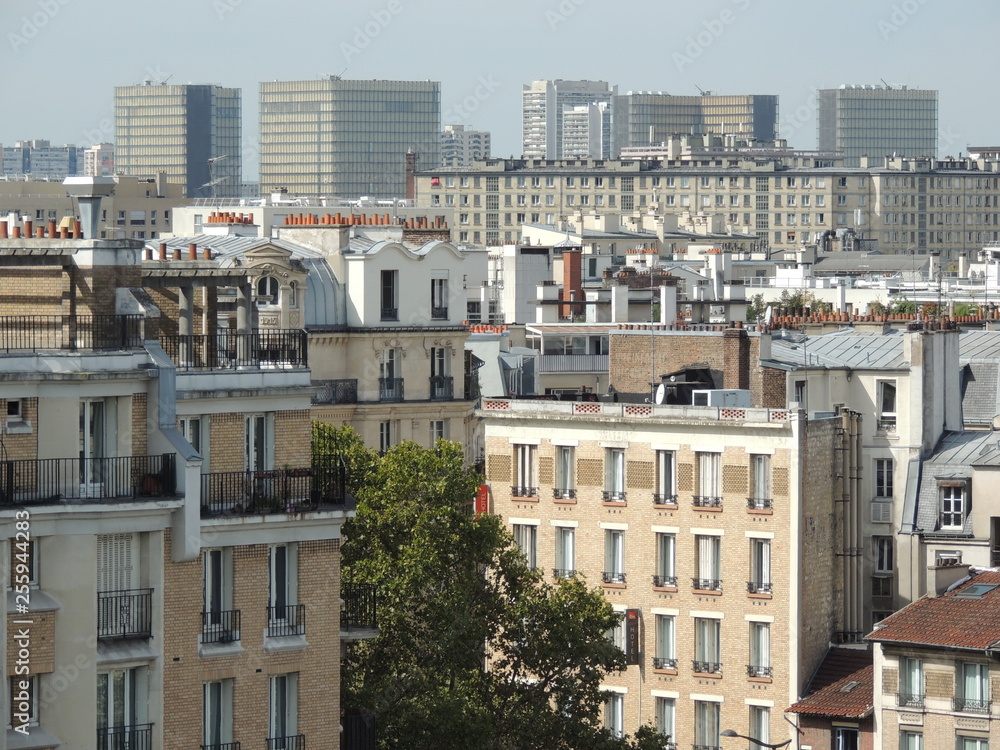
x,y
524,491
972,705
563,572
662,499
613,496
390,389
755,670
220,626
910,700
885,424
359,731
359,609
336,391
759,503
582,363
389,313
39,480
275,490
34,333
706,584
135,737
707,667
664,662
439,313
759,587
228,350
707,501
222,746
563,494
289,619
665,581
124,614
442,388
612,577
292,742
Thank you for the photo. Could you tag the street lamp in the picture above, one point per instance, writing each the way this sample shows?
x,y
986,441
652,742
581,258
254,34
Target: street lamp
x,y
731,733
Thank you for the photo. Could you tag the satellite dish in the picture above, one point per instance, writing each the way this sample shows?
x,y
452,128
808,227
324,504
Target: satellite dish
x,y
768,314
661,394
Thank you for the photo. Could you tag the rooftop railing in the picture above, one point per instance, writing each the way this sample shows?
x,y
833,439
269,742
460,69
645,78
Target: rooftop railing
x,y
228,350
35,333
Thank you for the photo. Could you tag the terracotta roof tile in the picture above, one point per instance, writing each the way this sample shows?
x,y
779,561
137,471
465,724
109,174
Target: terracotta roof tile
x,y
843,686
966,617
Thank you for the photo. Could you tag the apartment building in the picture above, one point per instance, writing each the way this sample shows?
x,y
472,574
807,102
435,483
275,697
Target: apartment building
x,y
838,710
177,552
950,207
691,520
193,132
544,106
461,146
935,668
40,160
878,122
99,160
346,138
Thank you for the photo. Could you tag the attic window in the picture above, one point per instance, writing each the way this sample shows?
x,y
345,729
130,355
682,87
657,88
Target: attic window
x,y
267,291
976,591
849,686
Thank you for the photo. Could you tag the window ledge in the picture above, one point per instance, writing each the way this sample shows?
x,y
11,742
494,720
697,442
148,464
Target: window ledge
x,y
666,672
36,738
665,506
665,589
111,652
275,643
760,596
712,675
614,585
760,680
707,592
213,650
560,501
705,509
760,512
39,602
611,504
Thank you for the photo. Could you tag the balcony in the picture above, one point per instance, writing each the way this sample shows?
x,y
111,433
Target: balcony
x,y
275,490
524,491
613,496
442,388
389,313
228,350
359,730
439,313
972,705
390,390
661,499
760,503
707,501
885,424
37,333
359,609
612,577
573,363
665,582
295,742
336,392
706,584
222,746
134,737
910,700
663,662
124,614
41,480
220,626
286,620
759,587
754,670
563,573
563,494
707,667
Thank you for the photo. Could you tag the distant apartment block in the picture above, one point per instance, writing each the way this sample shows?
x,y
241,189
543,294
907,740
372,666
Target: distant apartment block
x,y
460,147
99,160
586,132
40,159
544,104
191,132
643,118
346,138
877,122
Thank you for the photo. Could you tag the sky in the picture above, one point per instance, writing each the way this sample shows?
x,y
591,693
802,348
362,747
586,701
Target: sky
x,y
62,58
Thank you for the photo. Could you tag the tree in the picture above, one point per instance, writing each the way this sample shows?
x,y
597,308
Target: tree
x,y
756,308
475,650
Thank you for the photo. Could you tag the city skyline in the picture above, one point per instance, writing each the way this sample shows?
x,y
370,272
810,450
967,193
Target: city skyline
x,y
703,46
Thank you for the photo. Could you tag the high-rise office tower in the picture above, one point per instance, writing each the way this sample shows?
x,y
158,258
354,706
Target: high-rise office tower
x,y
543,108
191,132
877,121
644,118
346,138
459,147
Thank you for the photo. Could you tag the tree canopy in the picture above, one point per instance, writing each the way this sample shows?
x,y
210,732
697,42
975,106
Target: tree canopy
x,y
475,650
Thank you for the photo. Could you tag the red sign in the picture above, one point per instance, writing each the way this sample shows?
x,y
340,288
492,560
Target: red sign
x,y
483,499
632,655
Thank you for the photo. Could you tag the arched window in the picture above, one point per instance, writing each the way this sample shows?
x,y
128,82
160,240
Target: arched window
x,y
293,295
268,291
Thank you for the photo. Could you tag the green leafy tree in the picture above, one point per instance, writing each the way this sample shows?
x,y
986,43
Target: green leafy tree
x,y
801,298
475,650
903,307
756,308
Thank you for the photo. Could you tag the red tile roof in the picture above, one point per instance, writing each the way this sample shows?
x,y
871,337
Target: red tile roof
x,y
957,619
843,686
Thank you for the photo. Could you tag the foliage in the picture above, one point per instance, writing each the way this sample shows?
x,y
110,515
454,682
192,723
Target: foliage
x,y
966,308
756,308
801,298
929,310
903,307
475,649
329,440
877,308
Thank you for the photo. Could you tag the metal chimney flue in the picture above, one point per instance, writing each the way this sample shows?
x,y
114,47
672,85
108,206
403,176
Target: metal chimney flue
x,y
89,191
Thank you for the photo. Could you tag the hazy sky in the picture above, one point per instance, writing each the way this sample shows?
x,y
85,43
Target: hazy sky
x,y
62,58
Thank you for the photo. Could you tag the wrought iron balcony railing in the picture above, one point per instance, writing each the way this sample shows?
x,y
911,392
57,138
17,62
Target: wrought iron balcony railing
x,y
222,746
563,572
614,496
759,503
524,491
759,587
359,609
32,481
293,742
36,333
134,737
755,670
563,494
661,499
612,577
289,619
228,350
706,584
910,700
439,313
124,614
442,388
665,581
220,626
707,501
664,662
972,705
389,313
390,390
707,667
275,490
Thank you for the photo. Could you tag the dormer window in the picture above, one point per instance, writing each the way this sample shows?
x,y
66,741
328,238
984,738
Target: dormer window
x,y
954,504
268,292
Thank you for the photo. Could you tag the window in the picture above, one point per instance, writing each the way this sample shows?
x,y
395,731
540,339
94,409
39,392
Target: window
x,y
883,554
259,442
666,655
883,478
614,475
760,724
390,299
845,738
911,683
23,701
121,704
708,481
708,551
283,724
886,421
666,717
952,506
565,551
666,561
386,436
438,430
219,623
526,536
565,484
524,471
760,650
217,715
439,299
760,567
268,292
707,647
283,614
760,483
973,743
666,488
614,714
614,556
973,688
911,741
191,429
706,724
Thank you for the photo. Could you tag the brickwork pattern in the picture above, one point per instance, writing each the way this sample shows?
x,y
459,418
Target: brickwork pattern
x,y
227,442
779,482
639,475
34,291
546,470
939,684
24,446
685,477
735,479
42,651
139,427
590,472
890,680
498,468
292,438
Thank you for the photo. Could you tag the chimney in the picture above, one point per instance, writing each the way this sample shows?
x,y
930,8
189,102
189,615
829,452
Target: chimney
x,y
572,282
411,174
89,191
944,574
736,358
